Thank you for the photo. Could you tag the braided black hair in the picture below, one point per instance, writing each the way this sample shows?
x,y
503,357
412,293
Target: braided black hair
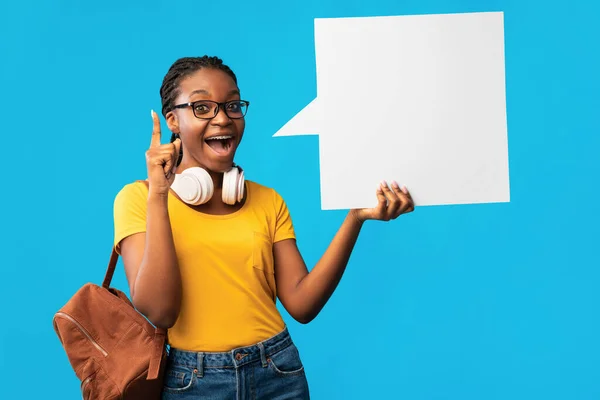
x,y
182,68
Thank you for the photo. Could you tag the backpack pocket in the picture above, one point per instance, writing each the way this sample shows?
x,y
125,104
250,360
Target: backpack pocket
x,y
96,384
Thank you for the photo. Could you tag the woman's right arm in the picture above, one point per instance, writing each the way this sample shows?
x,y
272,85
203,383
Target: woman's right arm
x,y
149,258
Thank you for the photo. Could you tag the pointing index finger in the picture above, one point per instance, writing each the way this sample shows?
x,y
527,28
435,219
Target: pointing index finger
x,y
155,142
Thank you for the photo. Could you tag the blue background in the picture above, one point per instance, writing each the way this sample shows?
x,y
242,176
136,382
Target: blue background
x,y
496,301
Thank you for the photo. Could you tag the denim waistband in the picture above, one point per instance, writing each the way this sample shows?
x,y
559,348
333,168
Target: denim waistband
x,y
234,358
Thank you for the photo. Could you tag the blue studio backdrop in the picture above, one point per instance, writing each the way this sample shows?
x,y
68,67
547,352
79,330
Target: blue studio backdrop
x,y
493,301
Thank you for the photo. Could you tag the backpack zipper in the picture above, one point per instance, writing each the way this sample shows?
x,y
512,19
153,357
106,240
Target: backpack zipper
x,y
82,329
84,384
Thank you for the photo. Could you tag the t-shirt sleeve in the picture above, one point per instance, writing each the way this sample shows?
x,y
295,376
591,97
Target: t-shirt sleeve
x,y
284,228
129,212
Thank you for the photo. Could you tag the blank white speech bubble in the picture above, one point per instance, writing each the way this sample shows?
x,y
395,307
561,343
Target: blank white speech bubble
x,y
417,99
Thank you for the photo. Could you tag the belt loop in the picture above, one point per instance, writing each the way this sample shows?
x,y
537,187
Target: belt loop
x,y
200,363
263,355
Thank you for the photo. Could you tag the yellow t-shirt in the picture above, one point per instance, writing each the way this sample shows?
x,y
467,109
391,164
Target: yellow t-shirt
x,y
226,262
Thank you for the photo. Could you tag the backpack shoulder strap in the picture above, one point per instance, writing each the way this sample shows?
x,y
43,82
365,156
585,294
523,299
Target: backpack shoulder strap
x,y
112,264
160,340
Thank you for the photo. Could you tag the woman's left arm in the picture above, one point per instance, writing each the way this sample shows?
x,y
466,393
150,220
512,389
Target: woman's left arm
x,y
304,294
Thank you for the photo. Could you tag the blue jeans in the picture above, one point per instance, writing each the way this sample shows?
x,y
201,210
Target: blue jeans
x,y
269,370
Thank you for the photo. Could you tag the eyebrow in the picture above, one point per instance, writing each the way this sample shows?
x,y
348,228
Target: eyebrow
x,y
202,91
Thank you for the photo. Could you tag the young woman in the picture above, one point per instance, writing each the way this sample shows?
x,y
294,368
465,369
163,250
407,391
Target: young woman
x,y
207,253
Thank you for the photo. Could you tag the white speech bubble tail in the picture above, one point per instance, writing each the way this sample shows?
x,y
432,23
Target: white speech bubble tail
x,y
306,122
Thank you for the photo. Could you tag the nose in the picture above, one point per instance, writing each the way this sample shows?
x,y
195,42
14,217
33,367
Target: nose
x,y
221,118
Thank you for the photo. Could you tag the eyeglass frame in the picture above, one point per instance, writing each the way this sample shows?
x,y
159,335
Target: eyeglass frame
x,y
219,105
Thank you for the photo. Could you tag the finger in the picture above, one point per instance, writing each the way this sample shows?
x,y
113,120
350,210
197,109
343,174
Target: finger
x,y
155,142
404,197
393,200
379,210
401,193
406,192
381,199
162,157
170,159
411,202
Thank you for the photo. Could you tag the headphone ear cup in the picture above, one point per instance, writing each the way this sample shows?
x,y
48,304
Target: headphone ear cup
x,y
233,186
194,186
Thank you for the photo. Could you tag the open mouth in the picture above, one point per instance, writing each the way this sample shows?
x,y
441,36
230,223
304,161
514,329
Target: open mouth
x,y
220,144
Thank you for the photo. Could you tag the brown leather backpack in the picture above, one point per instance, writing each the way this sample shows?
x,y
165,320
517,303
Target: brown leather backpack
x,y
113,349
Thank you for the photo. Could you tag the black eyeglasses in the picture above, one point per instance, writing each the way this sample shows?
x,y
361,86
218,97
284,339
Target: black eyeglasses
x,y
207,109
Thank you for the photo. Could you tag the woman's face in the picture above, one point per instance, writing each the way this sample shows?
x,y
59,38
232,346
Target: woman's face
x,y
197,135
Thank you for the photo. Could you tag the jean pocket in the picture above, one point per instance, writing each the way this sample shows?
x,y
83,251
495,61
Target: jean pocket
x,y
178,378
286,362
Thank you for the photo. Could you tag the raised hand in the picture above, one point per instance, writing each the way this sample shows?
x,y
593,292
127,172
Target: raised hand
x,y
391,204
161,160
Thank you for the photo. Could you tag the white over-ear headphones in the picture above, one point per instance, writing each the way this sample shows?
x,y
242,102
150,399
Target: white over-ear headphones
x,y
195,186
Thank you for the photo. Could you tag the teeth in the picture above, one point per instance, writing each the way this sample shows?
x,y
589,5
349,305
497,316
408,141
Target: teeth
x,y
219,137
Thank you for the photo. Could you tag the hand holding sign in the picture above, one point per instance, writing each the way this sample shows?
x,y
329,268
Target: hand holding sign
x,y
391,204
